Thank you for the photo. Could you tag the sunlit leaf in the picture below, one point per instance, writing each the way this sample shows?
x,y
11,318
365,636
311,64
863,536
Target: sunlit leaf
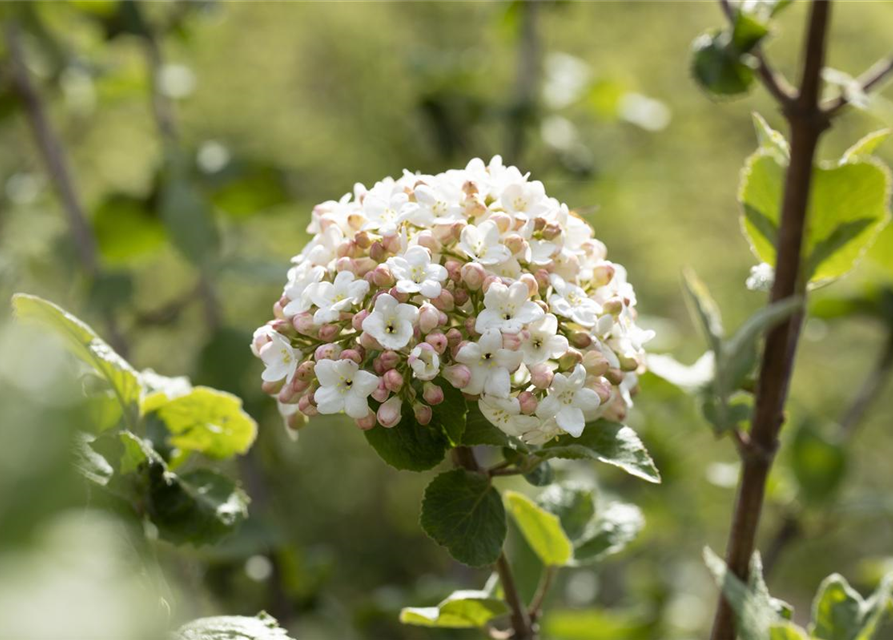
x,y
260,627
541,529
461,610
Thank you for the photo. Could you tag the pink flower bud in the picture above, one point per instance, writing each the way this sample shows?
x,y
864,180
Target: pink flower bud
x,y
515,243
288,394
427,240
393,380
278,311
305,371
460,296
389,359
453,268
469,326
442,319
532,285
352,354
377,366
381,392
539,224
456,229
392,243
613,306
601,386
272,388
296,421
444,301
511,341
284,327
616,410
541,376
306,406
329,332
377,252
614,376
364,265
528,402
542,279
443,233
366,423
489,280
595,363
502,221
422,413
389,413
382,277
429,317
363,240
551,231
570,359
580,339
454,337
457,375
432,394
357,321
628,363
342,250
368,342
437,340
473,275
355,221
397,295
327,352
602,274
303,324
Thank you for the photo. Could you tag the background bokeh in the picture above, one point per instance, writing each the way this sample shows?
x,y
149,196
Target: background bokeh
x,y
270,108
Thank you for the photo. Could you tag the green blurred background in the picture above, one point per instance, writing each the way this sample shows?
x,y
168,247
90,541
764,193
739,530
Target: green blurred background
x,y
279,106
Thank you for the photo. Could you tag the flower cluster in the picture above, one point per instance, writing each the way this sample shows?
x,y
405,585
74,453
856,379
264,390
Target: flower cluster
x,y
473,278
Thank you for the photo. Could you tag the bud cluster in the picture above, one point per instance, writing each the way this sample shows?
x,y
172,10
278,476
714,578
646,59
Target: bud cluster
x,y
473,278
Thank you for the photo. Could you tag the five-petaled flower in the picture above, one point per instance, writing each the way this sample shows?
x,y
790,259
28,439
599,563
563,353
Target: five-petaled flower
x,y
332,298
280,358
391,322
490,365
482,243
415,273
507,308
571,301
539,341
343,387
567,400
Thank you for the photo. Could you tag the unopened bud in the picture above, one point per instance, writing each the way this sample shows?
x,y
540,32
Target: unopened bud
x,y
444,301
602,387
352,354
329,332
532,285
460,296
432,394
363,240
528,402
272,388
502,221
515,243
399,296
454,337
469,325
614,376
570,359
580,339
542,279
366,422
429,317
437,340
541,376
357,321
389,413
327,352
305,371
392,243
364,265
457,375
613,306
381,392
628,363
377,251
303,324
393,380
382,276
511,341
595,363
602,274
488,281
422,413
473,275
389,359
368,342
551,231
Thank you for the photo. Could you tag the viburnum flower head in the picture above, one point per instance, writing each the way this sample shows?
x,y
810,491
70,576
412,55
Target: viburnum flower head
x,y
473,285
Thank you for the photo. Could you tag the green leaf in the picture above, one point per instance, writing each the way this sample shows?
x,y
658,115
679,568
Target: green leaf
x,y
840,613
847,209
187,213
541,529
204,420
865,146
770,139
573,503
786,630
89,348
464,513
616,526
479,430
541,475
747,32
754,609
690,378
408,446
200,506
718,66
461,610
818,463
451,414
253,189
704,309
126,228
263,626
609,442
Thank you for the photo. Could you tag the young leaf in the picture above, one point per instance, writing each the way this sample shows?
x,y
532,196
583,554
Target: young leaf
x,y
541,529
770,139
84,344
408,446
718,66
464,513
704,309
865,146
204,420
786,630
616,526
690,379
752,604
609,442
573,503
263,626
840,613
747,32
461,610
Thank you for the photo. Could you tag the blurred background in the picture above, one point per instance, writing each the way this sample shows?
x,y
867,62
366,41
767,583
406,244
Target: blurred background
x,y
198,136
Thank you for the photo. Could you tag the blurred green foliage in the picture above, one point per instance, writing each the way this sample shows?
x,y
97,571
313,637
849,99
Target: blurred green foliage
x,y
280,106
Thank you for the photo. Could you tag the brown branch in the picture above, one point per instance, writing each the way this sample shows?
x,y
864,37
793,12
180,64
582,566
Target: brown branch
x,y
542,590
53,154
880,71
775,82
807,123
523,630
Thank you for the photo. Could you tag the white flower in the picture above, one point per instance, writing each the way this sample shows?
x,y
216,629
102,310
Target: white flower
x,y
528,198
540,342
571,301
280,359
567,400
505,414
324,246
439,204
507,308
300,277
343,387
415,273
333,298
490,365
383,207
547,430
482,243
424,361
391,322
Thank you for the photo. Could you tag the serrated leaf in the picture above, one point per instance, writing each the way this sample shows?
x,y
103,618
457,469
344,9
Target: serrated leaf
x,y
260,627
840,613
541,529
865,146
770,139
205,421
609,442
88,347
704,308
451,414
847,208
751,603
409,446
463,512
616,525
718,67
461,610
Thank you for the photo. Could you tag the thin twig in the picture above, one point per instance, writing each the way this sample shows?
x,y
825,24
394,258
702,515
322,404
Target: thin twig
x,y
542,590
53,153
807,123
880,71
